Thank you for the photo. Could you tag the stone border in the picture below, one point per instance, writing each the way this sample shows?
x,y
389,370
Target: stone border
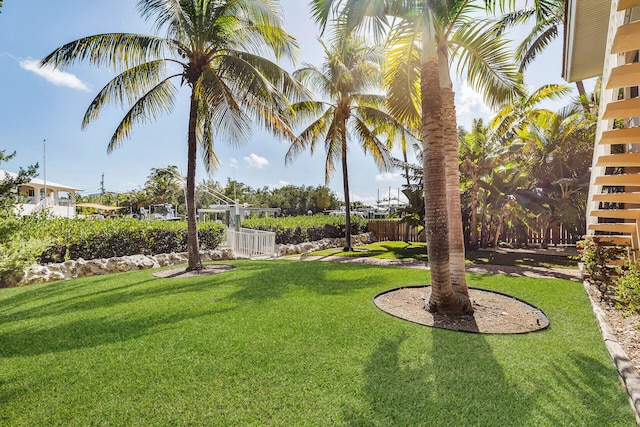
x,y
625,368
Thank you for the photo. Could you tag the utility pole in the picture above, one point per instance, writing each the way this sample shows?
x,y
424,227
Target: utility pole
x,y
44,169
102,188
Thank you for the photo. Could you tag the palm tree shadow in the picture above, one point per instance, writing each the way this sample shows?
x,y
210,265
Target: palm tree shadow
x,y
402,390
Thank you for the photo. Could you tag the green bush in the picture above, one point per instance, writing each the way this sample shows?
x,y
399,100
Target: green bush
x,y
627,290
297,229
17,251
90,239
596,254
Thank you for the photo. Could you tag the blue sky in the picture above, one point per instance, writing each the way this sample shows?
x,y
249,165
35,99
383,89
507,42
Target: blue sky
x,y
37,105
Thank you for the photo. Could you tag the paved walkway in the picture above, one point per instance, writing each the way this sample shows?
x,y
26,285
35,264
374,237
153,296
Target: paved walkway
x,y
508,270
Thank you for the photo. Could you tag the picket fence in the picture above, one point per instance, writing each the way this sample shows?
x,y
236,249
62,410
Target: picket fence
x,y
249,243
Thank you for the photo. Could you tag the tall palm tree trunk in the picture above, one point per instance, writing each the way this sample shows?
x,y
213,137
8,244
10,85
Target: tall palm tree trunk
x,y
194,262
452,174
474,215
345,183
407,227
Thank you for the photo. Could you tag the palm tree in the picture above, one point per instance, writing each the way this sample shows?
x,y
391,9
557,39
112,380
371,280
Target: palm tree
x,y
558,159
348,111
212,47
164,184
432,32
548,17
479,156
515,116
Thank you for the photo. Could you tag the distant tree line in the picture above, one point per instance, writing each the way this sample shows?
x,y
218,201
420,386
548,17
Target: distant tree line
x,y
165,185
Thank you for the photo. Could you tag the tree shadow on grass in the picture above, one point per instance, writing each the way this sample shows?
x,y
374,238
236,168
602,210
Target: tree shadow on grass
x,y
594,400
459,382
89,332
59,298
93,311
260,282
436,390
397,250
520,259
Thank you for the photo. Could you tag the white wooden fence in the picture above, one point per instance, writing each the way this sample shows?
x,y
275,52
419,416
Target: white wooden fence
x,y
251,243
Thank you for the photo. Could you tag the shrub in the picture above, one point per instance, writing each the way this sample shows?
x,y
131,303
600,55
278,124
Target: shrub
x,y
90,239
596,254
297,229
17,250
627,290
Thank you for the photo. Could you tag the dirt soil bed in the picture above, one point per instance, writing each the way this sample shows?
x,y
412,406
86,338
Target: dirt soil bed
x,y
494,313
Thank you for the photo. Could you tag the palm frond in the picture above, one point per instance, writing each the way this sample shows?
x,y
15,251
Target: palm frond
x,y
312,134
224,110
535,43
126,87
486,60
402,75
372,145
118,51
158,100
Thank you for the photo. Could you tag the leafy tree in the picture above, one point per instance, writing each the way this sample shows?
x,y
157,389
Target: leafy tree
x,y
9,195
16,250
347,80
480,155
215,47
524,110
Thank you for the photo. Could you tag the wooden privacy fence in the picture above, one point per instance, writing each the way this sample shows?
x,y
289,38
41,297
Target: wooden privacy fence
x,y
559,235
388,229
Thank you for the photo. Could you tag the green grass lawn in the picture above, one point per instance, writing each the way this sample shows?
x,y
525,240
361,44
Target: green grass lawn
x,y
289,343
418,251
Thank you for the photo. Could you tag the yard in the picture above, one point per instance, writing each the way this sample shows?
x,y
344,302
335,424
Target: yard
x,y
293,343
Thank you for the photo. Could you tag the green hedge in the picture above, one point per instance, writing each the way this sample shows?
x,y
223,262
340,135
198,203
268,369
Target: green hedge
x,y
112,237
297,229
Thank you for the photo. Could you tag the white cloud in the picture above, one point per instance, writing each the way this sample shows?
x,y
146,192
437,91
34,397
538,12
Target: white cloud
x,y
469,101
255,161
280,184
387,176
233,163
52,75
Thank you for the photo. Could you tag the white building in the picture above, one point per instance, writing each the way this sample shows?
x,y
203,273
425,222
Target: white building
x,y
60,199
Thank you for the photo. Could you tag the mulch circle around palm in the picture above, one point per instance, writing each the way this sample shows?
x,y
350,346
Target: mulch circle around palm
x,y
182,272
494,313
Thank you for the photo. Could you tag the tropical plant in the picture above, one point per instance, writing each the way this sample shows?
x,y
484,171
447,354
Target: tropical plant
x,y
596,254
427,36
213,48
347,80
627,289
557,158
516,115
480,156
164,185
16,249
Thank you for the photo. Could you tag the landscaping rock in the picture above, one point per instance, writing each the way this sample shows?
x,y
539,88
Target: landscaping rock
x,y
82,268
